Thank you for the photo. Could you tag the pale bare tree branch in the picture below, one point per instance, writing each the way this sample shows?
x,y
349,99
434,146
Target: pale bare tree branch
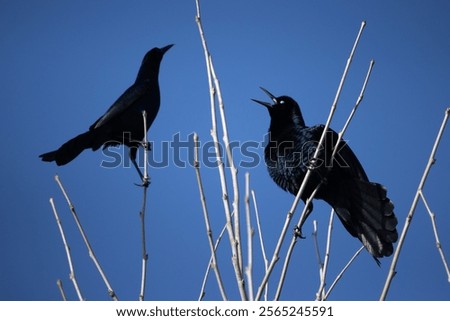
x,y
431,161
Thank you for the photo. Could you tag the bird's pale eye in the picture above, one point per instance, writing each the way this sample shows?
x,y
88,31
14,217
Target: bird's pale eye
x,y
281,102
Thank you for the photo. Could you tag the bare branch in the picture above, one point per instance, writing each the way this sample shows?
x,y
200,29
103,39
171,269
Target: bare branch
x,y
61,289
216,245
342,272
321,291
213,263
317,248
431,161
233,169
145,184
249,269
234,239
69,256
355,107
295,236
111,292
261,242
436,235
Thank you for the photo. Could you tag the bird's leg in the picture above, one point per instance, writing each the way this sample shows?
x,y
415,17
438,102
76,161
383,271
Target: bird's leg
x,y
298,228
132,154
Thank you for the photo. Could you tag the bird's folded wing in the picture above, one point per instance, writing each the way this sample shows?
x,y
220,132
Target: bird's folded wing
x,y
131,95
344,156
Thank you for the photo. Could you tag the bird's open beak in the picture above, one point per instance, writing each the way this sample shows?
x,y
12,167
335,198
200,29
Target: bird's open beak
x,y
268,93
164,49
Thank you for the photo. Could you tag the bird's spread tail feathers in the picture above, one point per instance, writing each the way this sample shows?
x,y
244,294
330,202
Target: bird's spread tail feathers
x,y
67,152
370,217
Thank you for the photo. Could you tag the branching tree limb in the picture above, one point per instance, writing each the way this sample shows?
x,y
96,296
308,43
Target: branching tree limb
x,y
69,257
232,229
339,276
409,217
111,292
213,263
210,263
323,273
436,234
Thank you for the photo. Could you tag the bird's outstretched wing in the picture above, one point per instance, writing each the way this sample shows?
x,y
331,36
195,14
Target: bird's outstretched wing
x,y
131,95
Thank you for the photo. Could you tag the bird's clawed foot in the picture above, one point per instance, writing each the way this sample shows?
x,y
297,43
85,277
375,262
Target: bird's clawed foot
x,y
146,145
145,182
145,179
298,232
313,163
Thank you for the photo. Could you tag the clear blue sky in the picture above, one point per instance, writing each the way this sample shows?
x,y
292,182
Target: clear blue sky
x,y
63,63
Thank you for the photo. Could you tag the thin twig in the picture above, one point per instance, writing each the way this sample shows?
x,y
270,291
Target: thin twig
x,y
342,273
355,107
61,289
233,169
69,256
317,248
261,242
436,235
323,266
431,161
234,240
249,268
208,268
275,256
323,276
111,292
213,263
145,184
296,234
321,291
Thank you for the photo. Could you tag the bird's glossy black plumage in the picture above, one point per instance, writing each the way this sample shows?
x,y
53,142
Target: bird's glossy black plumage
x,y
123,121
362,206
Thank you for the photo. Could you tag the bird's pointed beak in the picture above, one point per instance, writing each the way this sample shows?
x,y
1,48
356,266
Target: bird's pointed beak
x,y
164,49
268,93
268,105
265,104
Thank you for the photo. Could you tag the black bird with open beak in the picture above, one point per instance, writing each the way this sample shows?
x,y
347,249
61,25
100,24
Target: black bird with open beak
x,y
362,206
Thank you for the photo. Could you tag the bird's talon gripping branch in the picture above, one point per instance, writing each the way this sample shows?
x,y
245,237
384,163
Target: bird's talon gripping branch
x,y
313,164
298,232
147,145
145,182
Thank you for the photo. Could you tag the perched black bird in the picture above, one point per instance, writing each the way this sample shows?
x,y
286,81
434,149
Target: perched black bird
x,y
362,206
123,122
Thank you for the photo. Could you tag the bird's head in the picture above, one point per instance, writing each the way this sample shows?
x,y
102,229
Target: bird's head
x,y
150,63
282,109
156,53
